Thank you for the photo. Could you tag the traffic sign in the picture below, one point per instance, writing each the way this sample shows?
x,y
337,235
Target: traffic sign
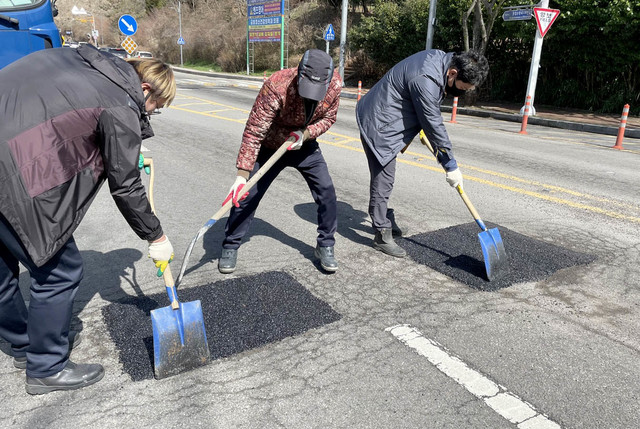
x,y
329,34
127,25
545,18
181,41
129,45
517,14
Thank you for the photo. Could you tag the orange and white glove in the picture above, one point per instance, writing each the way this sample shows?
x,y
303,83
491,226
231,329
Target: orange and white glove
x,y
161,251
235,192
296,138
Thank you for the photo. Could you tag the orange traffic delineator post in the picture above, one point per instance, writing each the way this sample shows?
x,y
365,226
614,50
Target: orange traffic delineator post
x,y
454,111
359,90
623,126
525,117
264,77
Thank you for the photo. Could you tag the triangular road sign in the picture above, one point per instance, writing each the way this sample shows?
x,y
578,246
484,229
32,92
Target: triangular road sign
x,y
544,18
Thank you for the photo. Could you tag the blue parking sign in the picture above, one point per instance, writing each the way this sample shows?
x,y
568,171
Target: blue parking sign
x,y
127,25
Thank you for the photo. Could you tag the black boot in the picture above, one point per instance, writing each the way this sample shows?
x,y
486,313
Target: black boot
x,y
227,261
75,339
73,376
383,241
327,258
396,230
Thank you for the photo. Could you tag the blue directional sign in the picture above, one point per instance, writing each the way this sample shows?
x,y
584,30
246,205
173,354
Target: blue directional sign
x,y
329,34
517,14
181,41
127,25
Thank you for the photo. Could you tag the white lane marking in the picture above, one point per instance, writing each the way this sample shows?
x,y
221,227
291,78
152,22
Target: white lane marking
x,y
503,402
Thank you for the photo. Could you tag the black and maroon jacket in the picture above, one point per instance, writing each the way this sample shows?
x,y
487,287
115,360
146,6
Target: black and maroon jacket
x,y
69,120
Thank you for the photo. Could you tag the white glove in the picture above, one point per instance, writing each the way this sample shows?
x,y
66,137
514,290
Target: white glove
x,y
454,178
297,138
235,193
161,251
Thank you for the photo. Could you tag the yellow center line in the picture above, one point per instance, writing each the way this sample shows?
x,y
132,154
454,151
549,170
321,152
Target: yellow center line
x,y
348,139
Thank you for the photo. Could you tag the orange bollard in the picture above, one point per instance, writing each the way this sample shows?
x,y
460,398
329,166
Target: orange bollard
x,y
359,90
454,111
623,126
525,117
264,77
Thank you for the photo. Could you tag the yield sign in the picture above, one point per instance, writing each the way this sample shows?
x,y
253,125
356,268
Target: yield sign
x,y
544,18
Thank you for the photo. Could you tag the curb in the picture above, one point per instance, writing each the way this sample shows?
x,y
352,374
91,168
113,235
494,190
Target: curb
x,y
511,117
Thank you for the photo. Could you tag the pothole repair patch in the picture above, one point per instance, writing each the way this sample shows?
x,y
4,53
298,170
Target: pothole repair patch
x,y
456,252
239,314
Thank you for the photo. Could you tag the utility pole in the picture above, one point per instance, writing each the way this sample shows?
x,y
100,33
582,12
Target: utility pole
x,y
535,65
180,26
343,37
433,4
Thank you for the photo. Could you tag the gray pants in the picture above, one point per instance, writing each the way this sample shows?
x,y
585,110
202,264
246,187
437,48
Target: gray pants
x,y
380,187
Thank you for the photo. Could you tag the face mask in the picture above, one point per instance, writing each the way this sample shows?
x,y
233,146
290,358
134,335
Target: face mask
x,y
454,91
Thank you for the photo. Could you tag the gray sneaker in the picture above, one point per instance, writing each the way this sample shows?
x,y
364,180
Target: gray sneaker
x,y
327,259
227,261
75,339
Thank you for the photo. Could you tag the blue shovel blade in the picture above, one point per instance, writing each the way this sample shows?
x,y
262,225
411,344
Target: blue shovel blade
x,y
495,257
179,339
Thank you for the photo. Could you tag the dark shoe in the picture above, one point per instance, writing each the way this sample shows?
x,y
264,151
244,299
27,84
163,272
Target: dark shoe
x,y
327,260
396,230
73,376
227,261
383,241
74,341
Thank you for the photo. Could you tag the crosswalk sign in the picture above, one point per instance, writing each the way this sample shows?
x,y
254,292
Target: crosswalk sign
x,y
329,34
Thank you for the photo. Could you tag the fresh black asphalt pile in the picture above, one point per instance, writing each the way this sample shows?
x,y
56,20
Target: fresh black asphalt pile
x,y
239,314
456,252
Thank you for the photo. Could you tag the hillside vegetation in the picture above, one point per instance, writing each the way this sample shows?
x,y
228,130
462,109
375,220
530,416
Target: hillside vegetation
x,y
590,58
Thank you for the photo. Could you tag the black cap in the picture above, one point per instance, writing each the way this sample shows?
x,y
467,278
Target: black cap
x,y
314,74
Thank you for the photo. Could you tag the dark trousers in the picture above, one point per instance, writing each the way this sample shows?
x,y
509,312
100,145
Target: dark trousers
x,y
42,331
380,187
311,164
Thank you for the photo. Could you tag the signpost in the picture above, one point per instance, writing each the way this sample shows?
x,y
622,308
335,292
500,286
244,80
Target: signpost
x,y
545,19
517,14
265,23
329,35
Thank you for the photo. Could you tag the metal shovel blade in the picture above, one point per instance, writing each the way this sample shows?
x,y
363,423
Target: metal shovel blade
x,y
495,257
179,339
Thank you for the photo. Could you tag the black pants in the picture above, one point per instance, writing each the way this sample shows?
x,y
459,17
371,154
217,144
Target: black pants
x,y
311,164
41,332
380,187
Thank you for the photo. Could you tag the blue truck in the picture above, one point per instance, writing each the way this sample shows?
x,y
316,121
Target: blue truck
x,y
26,26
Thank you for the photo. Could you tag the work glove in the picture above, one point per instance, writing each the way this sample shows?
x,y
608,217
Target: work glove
x,y
297,138
161,251
235,192
147,169
454,178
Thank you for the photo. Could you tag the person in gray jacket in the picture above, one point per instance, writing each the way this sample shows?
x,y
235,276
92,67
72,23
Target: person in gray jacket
x,y
406,100
71,120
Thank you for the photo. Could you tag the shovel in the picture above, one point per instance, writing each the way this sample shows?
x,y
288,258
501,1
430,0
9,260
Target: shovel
x,y
179,336
495,257
226,207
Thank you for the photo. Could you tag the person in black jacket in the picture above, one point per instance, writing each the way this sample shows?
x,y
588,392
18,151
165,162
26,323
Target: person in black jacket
x,y
71,120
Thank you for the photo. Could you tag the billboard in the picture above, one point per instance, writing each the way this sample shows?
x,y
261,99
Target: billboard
x,y
264,20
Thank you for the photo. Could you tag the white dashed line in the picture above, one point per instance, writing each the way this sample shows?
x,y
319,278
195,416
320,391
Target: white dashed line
x,y
503,402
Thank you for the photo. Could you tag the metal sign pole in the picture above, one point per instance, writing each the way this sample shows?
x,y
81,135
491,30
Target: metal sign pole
x,y
180,25
343,37
432,22
535,65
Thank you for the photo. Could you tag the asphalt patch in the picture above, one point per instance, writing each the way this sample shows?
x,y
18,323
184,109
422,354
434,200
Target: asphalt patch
x,y
240,314
456,252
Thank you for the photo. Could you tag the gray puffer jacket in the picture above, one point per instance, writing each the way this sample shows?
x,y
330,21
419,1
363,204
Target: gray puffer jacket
x,y
70,119
404,101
